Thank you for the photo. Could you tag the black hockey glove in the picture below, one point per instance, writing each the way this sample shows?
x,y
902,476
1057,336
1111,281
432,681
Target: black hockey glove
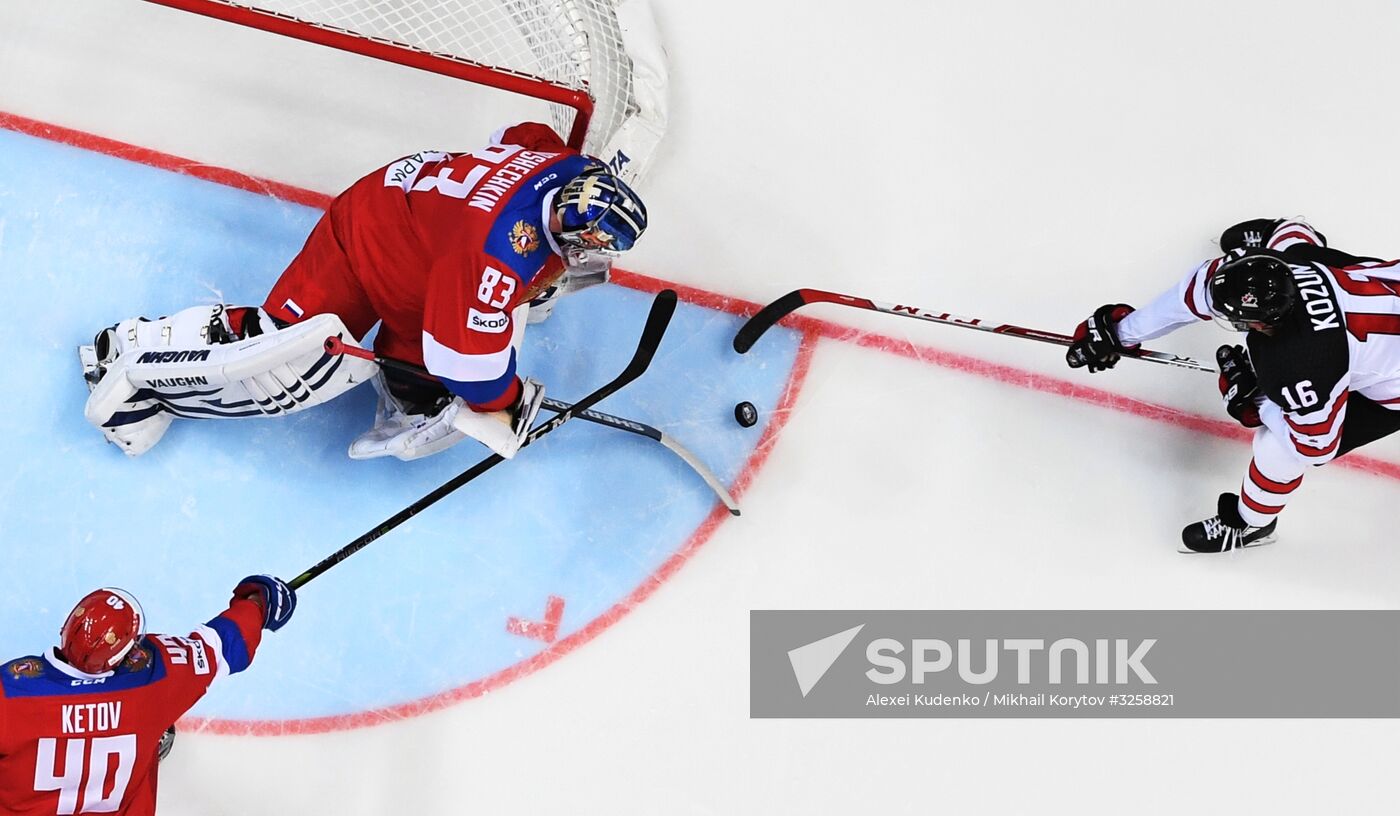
x,y
1096,342
1239,386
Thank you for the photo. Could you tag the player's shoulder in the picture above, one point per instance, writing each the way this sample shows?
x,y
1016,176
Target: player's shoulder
x,y
185,654
1311,344
47,676
531,136
23,676
519,241
519,235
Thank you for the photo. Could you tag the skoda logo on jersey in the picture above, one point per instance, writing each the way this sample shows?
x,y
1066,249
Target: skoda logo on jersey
x,y
524,238
489,323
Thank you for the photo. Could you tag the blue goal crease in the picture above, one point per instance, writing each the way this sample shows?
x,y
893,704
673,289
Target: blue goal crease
x,y
588,514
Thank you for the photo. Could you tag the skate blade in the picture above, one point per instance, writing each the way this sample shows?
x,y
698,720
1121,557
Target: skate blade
x,y
1268,539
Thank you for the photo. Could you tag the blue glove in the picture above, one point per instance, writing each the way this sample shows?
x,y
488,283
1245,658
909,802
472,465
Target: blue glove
x,y
279,601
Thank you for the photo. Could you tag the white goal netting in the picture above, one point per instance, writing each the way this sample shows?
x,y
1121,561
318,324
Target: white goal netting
x,y
578,45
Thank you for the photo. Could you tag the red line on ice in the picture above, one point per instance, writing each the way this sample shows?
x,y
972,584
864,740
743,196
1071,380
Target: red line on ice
x,y
811,330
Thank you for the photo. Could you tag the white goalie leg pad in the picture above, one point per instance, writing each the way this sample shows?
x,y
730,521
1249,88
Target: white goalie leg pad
x,y
403,435
170,363
503,431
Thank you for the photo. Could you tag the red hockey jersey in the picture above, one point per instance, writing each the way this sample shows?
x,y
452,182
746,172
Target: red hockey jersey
x,y
442,248
80,743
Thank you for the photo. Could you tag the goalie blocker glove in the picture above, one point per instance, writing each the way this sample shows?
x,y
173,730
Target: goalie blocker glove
x,y
504,431
1096,344
277,599
1226,530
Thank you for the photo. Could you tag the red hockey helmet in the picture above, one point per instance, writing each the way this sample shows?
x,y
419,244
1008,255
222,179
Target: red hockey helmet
x,y
101,629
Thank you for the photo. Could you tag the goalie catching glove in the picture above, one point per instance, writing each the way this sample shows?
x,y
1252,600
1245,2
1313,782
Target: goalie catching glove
x,y
1096,343
503,431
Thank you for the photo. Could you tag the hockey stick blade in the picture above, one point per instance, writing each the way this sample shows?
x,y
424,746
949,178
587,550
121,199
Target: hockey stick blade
x,y
655,329
766,318
632,426
769,315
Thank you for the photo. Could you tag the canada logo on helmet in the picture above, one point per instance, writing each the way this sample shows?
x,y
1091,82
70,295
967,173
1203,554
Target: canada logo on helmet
x,y
101,630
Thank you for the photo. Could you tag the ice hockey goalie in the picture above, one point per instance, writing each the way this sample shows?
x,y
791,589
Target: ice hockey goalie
x,y
450,254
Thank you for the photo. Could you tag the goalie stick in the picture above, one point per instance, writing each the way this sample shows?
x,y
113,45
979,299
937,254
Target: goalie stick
x,y
657,320
769,315
335,345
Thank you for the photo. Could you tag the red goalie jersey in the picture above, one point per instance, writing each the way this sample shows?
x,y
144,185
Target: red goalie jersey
x,y
78,743
442,248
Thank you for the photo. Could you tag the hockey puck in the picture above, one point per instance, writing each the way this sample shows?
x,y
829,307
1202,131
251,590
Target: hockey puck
x,y
745,414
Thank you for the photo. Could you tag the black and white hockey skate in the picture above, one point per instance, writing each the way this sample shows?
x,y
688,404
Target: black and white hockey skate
x,y
1225,530
167,741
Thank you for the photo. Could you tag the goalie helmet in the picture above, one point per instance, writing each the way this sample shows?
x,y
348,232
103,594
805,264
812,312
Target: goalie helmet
x,y
1251,291
598,211
101,629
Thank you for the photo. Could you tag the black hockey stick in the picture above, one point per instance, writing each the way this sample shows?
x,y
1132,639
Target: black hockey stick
x,y
657,320
769,315
335,345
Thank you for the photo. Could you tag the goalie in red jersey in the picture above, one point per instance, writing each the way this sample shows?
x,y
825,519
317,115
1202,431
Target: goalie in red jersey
x,y
448,253
84,725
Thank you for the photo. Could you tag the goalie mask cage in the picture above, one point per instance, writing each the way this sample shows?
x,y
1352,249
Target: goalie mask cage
x,y
566,52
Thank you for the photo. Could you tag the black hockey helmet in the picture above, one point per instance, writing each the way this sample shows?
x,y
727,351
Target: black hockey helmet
x,y
1253,289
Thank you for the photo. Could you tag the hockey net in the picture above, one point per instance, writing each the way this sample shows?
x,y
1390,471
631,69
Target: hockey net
x,y
598,62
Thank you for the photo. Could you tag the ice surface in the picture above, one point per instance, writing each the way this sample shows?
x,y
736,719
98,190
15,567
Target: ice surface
x,y
1019,161
589,514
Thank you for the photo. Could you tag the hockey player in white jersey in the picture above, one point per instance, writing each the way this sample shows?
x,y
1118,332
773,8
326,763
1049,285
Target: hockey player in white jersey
x,y
1321,375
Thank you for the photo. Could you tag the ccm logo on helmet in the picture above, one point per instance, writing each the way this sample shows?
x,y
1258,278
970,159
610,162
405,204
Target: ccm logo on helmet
x,y
489,323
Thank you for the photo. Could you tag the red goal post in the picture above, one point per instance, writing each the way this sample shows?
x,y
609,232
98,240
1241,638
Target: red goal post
x,y
605,79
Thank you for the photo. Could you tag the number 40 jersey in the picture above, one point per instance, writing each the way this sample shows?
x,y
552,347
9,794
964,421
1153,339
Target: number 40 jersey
x,y
73,743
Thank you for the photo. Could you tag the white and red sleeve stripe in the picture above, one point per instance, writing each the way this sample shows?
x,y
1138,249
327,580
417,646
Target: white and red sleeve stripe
x,y
1264,495
1316,434
1291,233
